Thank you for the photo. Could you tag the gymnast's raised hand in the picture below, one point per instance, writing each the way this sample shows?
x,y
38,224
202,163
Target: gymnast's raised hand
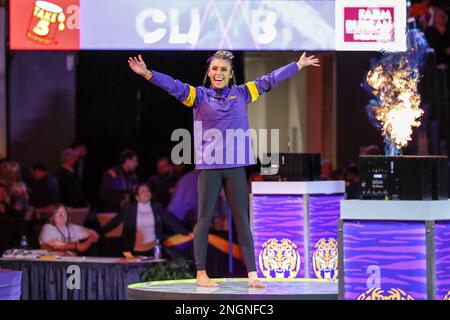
x,y
138,65
305,61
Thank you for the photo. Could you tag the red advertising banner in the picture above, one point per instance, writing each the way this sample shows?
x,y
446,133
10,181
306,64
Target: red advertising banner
x,y
363,24
370,25
44,25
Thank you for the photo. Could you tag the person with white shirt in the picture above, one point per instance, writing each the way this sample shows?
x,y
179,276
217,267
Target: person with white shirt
x,y
64,237
142,223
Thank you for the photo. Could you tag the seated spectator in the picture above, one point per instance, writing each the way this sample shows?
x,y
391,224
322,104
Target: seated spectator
x,y
10,173
64,237
163,183
143,221
184,203
44,189
86,172
255,176
420,8
326,169
4,195
438,36
371,150
352,183
337,174
70,188
118,183
4,169
179,170
19,200
10,224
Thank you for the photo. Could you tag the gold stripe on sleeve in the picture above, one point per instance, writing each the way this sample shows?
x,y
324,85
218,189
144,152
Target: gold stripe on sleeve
x,y
191,97
251,86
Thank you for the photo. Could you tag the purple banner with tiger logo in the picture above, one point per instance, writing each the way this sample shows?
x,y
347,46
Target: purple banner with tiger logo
x,y
384,260
324,212
278,235
442,258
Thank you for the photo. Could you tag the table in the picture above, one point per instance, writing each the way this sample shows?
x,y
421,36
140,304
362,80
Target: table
x,y
394,250
76,278
295,228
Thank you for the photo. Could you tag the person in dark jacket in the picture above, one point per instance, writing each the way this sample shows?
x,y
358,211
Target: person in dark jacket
x,y
143,222
70,187
118,182
163,183
44,189
11,227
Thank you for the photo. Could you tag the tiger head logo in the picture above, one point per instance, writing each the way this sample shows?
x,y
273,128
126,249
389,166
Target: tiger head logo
x,y
325,259
377,294
279,260
447,296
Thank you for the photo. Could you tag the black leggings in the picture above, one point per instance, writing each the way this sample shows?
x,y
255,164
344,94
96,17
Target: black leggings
x,y
209,184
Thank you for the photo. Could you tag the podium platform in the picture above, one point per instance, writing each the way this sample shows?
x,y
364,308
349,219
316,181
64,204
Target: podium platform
x,y
294,225
394,250
235,289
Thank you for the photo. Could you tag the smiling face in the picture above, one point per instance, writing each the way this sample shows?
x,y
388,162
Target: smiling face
x,y
219,73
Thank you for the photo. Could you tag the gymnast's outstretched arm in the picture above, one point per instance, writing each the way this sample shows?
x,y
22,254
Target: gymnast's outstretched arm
x,y
183,92
253,89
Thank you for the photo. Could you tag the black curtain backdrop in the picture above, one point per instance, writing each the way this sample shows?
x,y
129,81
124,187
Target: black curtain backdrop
x,y
353,126
117,109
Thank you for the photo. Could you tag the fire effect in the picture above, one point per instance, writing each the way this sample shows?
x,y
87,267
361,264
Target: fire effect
x,y
393,82
398,108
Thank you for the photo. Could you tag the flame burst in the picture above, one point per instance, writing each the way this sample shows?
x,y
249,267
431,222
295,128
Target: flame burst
x,y
393,80
398,104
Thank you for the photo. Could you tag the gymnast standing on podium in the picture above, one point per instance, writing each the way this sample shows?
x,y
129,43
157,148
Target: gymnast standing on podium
x,y
221,108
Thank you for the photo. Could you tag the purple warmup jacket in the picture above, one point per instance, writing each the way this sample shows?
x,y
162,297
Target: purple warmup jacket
x,y
222,136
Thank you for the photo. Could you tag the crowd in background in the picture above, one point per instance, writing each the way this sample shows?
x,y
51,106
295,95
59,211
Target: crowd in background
x,y
27,206
32,206
432,18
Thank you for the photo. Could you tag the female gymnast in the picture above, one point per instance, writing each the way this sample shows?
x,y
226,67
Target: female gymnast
x,y
220,113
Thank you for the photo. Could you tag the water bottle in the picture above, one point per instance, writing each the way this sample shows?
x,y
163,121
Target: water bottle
x,y
23,242
157,250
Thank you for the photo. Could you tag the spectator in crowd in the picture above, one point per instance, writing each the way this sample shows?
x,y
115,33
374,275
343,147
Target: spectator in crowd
x,y
81,151
86,172
352,183
371,150
420,8
162,184
143,221
10,224
184,202
4,195
44,188
338,174
70,188
118,183
255,176
4,169
438,36
179,170
64,237
326,169
11,173
19,201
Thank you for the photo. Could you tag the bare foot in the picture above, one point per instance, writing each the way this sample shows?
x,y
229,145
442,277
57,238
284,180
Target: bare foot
x,y
204,281
256,283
